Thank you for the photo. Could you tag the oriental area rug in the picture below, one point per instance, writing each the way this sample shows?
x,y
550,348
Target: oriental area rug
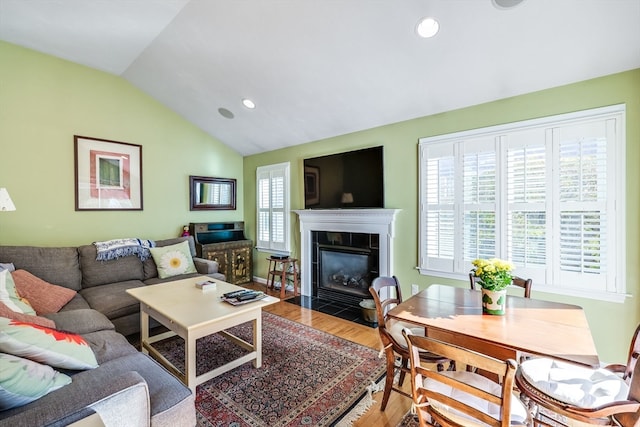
x,y
308,377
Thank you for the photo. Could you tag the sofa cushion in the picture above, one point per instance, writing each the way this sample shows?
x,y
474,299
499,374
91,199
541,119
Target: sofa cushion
x,y
113,300
9,295
55,265
45,345
150,268
108,345
29,318
43,296
23,381
157,280
173,260
82,321
76,303
96,273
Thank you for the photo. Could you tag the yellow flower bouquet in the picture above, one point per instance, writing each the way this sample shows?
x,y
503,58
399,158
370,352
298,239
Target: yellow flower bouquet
x,y
494,273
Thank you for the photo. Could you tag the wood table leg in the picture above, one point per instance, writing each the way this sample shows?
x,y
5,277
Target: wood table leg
x,y
144,329
190,363
257,340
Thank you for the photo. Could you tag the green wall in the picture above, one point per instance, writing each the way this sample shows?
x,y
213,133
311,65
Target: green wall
x,y
44,102
612,324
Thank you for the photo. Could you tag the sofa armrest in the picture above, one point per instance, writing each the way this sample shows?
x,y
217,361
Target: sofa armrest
x,y
134,397
205,266
110,396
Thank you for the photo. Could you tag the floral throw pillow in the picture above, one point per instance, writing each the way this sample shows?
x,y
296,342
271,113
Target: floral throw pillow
x,y
45,345
173,260
23,381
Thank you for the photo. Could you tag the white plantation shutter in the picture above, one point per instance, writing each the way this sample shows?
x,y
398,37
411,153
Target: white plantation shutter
x,y
585,229
438,207
273,207
547,194
479,184
526,194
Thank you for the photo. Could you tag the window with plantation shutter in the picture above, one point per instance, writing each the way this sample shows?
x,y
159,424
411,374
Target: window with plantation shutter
x,y
547,194
272,188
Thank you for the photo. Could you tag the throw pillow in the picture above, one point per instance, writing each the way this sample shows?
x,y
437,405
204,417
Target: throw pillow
x,y
9,296
44,297
173,260
45,345
23,381
29,318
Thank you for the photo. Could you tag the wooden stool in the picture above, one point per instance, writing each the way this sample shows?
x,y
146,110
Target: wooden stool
x,y
280,267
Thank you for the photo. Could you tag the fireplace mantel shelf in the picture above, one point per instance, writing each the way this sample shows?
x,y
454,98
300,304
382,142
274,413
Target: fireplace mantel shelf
x,y
373,221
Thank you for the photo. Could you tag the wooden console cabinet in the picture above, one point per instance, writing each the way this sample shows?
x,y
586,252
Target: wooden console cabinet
x,y
224,242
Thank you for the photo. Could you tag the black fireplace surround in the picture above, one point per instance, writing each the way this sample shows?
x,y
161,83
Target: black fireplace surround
x,y
343,265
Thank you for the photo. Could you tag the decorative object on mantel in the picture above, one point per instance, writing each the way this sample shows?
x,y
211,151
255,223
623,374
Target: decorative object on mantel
x,y
495,276
347,199
6,204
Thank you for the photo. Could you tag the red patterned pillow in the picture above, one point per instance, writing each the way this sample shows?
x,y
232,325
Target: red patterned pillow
x,y
37,320
44,297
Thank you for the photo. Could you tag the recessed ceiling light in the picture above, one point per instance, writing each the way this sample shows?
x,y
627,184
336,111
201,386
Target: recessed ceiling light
x,y
249,103
505,4
427,27
225,113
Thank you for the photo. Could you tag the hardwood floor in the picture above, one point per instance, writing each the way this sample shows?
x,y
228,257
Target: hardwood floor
x,y
398,405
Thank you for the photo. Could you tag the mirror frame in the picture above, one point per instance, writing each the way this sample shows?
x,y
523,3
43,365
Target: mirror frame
x,y
199,180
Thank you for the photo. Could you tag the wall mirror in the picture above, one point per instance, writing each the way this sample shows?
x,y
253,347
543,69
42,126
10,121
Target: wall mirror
x,y
207,193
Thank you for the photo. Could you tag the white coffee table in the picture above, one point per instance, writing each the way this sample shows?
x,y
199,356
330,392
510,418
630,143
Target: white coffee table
x,y
191,314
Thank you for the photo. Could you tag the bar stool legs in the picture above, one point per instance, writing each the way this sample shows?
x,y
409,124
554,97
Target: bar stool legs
x,y
279,267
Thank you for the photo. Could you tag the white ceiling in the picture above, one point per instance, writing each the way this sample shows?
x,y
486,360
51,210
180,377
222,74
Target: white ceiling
x,y
317,69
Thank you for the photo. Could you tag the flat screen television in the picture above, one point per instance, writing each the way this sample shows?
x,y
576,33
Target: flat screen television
x,y
353,179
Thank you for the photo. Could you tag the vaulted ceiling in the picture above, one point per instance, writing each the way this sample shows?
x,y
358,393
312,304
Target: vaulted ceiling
x,y
321,68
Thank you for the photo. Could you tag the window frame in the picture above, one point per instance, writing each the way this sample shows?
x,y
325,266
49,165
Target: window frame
x,y
270,172
612,118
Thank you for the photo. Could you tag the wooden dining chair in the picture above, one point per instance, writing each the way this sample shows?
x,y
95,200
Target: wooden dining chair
x,y
634,353
562,394
525,284
463,398
387,294
605,396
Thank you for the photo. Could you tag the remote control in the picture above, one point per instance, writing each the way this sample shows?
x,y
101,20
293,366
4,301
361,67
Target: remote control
x,y
248,296
235,294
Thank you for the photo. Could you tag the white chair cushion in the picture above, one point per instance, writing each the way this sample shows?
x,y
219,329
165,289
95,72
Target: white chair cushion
x,y
395,328
577,385
518,411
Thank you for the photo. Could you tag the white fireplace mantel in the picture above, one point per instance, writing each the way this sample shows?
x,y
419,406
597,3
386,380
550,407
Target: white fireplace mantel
x,y
372,221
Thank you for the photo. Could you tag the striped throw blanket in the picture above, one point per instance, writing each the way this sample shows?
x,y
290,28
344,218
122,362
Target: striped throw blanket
x,y
112,249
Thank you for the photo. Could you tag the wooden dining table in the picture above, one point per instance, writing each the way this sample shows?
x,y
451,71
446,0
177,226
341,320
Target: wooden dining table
x,y
529,326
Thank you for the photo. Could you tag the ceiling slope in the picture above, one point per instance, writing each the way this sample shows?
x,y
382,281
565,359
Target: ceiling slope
x,y
317,69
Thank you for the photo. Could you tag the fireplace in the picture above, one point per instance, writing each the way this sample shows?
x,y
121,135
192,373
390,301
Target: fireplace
x,y
348,233
344,273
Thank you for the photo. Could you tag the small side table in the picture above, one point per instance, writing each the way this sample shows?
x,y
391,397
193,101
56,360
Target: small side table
x,y
279,267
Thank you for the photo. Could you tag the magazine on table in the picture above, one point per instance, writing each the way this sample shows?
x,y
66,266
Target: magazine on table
x,y
243,297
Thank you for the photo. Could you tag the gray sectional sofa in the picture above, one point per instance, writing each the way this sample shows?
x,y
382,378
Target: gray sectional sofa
x,y
128,387
101,285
